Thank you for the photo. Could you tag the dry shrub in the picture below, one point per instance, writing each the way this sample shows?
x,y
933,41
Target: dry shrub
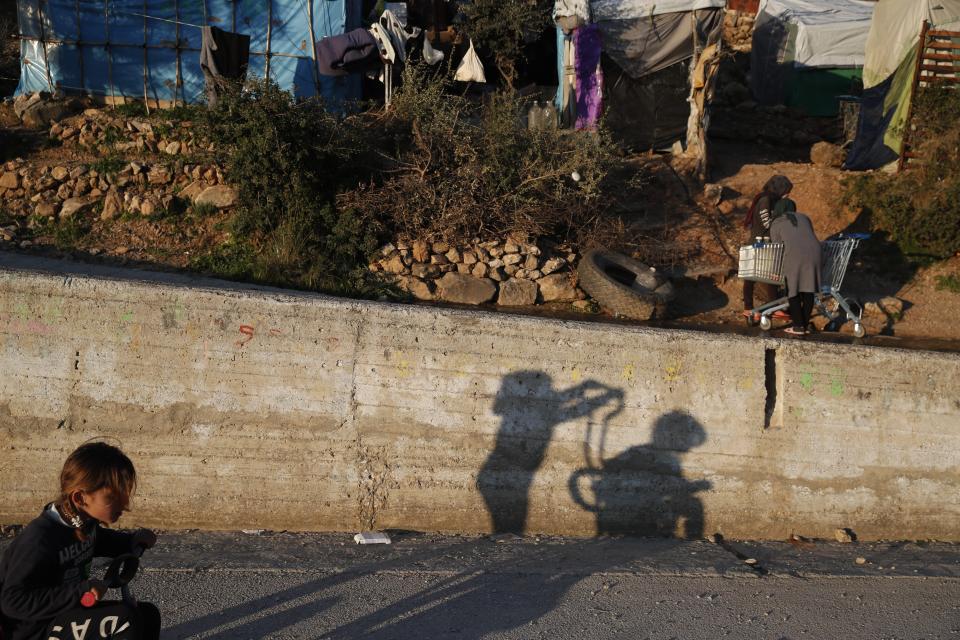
x,y
456,170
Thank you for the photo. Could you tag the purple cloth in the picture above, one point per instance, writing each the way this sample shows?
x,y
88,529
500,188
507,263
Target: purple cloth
x,y
351,51
587,47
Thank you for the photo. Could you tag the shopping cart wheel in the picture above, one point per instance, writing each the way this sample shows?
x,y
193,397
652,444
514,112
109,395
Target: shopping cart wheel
x,y
765,323
858,330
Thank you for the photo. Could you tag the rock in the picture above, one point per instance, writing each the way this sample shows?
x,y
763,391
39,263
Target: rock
x,y
421,251
480,270
531,263
512,259
60,173
65,191
9,180
532,250
552,265
497,274
221,196
872,309
416,287
583,305
469,258
172,149
193,190
558,287
826,154
121,250
727,207
159,175
861,560
456,287
844,535
713,193
440,247
496,252
515,293
45,210
453,256
511,247
421,270
891,306
79,170
24,101
394,264
73,206
8,117
39,115
511,269
148,207
112,205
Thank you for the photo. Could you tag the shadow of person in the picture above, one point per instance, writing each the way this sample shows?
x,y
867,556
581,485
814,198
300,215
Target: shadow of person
x,y
642,491
530,409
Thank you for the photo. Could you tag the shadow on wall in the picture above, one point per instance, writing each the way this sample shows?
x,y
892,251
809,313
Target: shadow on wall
x,y
641,491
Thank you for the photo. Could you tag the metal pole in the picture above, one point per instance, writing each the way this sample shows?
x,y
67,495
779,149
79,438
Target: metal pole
x,y
79,49
146,97
313,49
43,43
109,50
266,64
179,80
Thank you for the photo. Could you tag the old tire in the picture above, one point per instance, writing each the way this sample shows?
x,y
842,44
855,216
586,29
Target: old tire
x,y
623,286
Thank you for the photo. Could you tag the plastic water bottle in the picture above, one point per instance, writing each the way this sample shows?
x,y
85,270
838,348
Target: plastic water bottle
x,y
549,118
535,116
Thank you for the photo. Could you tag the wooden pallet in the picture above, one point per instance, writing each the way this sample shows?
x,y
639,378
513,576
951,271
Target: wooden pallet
x,y
938,64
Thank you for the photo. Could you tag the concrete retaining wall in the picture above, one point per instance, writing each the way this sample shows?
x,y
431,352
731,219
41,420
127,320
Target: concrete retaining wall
x,y
255,408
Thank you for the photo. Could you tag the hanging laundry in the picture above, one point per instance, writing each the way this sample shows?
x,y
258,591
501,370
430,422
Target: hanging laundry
x,y
354,51
223,56
587,47
430,55
398,33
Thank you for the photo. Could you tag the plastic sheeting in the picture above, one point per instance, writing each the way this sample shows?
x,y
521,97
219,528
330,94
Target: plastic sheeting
x,y
632,9
895,30
888,76
644,46
819,33
150,49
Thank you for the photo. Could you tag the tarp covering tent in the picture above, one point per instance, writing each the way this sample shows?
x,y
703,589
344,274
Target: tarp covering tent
x,y
888,73
807,52
647,46
150,49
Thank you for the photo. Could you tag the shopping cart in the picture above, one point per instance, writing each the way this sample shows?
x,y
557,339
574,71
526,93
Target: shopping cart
x,y
763,262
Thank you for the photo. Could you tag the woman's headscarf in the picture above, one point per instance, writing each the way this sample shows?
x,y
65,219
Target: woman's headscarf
x,y
775,188
784,206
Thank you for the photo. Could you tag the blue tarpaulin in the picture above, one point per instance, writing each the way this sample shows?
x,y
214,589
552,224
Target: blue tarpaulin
x,y
150,49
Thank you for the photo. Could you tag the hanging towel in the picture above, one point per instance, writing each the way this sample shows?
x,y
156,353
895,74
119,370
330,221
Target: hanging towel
x,y
347,52
587,46
223,55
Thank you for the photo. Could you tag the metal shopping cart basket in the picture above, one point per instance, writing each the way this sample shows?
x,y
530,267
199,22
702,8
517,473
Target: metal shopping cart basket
x,y
763,262
836,254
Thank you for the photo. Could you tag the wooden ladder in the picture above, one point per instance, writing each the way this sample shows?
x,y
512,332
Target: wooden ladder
x,y
938,64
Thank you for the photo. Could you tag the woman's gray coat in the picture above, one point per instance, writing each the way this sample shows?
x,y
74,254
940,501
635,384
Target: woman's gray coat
x,y
801,252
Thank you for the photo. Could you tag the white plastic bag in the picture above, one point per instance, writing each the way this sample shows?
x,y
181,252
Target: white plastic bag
x,y
470,69
431,55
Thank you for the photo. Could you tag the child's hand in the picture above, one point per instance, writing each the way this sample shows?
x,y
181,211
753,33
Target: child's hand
x,y
144,538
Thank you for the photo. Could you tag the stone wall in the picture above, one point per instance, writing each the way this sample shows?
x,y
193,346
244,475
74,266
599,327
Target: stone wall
x,y
258,408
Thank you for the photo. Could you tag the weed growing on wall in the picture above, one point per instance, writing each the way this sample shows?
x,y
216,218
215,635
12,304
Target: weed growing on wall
x,y
920,208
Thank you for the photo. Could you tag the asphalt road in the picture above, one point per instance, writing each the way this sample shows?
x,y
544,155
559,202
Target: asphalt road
x,y
282,585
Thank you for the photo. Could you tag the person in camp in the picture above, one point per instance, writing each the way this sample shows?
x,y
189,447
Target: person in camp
x,y
46,590
801,262
758,221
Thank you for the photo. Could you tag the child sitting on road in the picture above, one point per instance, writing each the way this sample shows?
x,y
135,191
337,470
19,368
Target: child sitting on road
x,y
45,571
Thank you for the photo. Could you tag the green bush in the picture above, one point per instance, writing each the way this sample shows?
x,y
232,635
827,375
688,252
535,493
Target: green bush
x,y
920,207
288,159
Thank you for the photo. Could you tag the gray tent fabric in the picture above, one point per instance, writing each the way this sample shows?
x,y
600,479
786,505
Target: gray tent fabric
x,y
648,112
646,45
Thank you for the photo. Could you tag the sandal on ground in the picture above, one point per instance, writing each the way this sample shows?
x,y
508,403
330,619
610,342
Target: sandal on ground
x,y
795,331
